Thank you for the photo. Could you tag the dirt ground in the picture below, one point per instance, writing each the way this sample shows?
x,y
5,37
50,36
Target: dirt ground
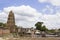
x,y
36,38
42,38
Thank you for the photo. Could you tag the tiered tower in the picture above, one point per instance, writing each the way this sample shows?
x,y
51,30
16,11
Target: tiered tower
x,y
11,22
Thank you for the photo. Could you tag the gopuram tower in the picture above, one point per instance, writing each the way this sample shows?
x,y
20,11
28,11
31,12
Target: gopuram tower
x,y
11,22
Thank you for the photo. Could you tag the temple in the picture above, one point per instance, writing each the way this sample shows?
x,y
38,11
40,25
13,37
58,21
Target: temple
x,y
11,22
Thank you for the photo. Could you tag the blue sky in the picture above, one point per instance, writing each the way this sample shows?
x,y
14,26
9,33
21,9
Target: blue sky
x,y
6,3
33,3
47,11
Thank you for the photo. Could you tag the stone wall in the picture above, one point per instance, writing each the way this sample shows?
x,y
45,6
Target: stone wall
x,y
4,31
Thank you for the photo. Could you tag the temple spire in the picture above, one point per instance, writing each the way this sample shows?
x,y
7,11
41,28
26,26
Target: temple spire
x,y
11,21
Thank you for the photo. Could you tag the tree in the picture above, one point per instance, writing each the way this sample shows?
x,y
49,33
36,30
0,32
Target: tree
x,y
52,31
44,28
39,26
59,29
4,25
1,24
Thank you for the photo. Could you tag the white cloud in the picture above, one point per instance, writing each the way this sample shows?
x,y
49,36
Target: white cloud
x,y
24,15
51,21
3,17
26,12
27,16
53,2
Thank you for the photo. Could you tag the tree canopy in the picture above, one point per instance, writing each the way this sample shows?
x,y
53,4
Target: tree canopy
x,y
40,27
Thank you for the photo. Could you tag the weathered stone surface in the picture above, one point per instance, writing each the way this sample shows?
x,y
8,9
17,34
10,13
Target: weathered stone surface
x,y
11,22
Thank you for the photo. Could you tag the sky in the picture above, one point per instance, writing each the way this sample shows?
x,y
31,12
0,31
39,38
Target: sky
x,y
29,12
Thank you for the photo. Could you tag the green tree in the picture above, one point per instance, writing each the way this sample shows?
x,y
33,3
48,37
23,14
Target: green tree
x,y
1,24
44,28
39,26
4,25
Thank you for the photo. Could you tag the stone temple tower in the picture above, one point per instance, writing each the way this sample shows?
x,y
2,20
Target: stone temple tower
x,y
11,22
